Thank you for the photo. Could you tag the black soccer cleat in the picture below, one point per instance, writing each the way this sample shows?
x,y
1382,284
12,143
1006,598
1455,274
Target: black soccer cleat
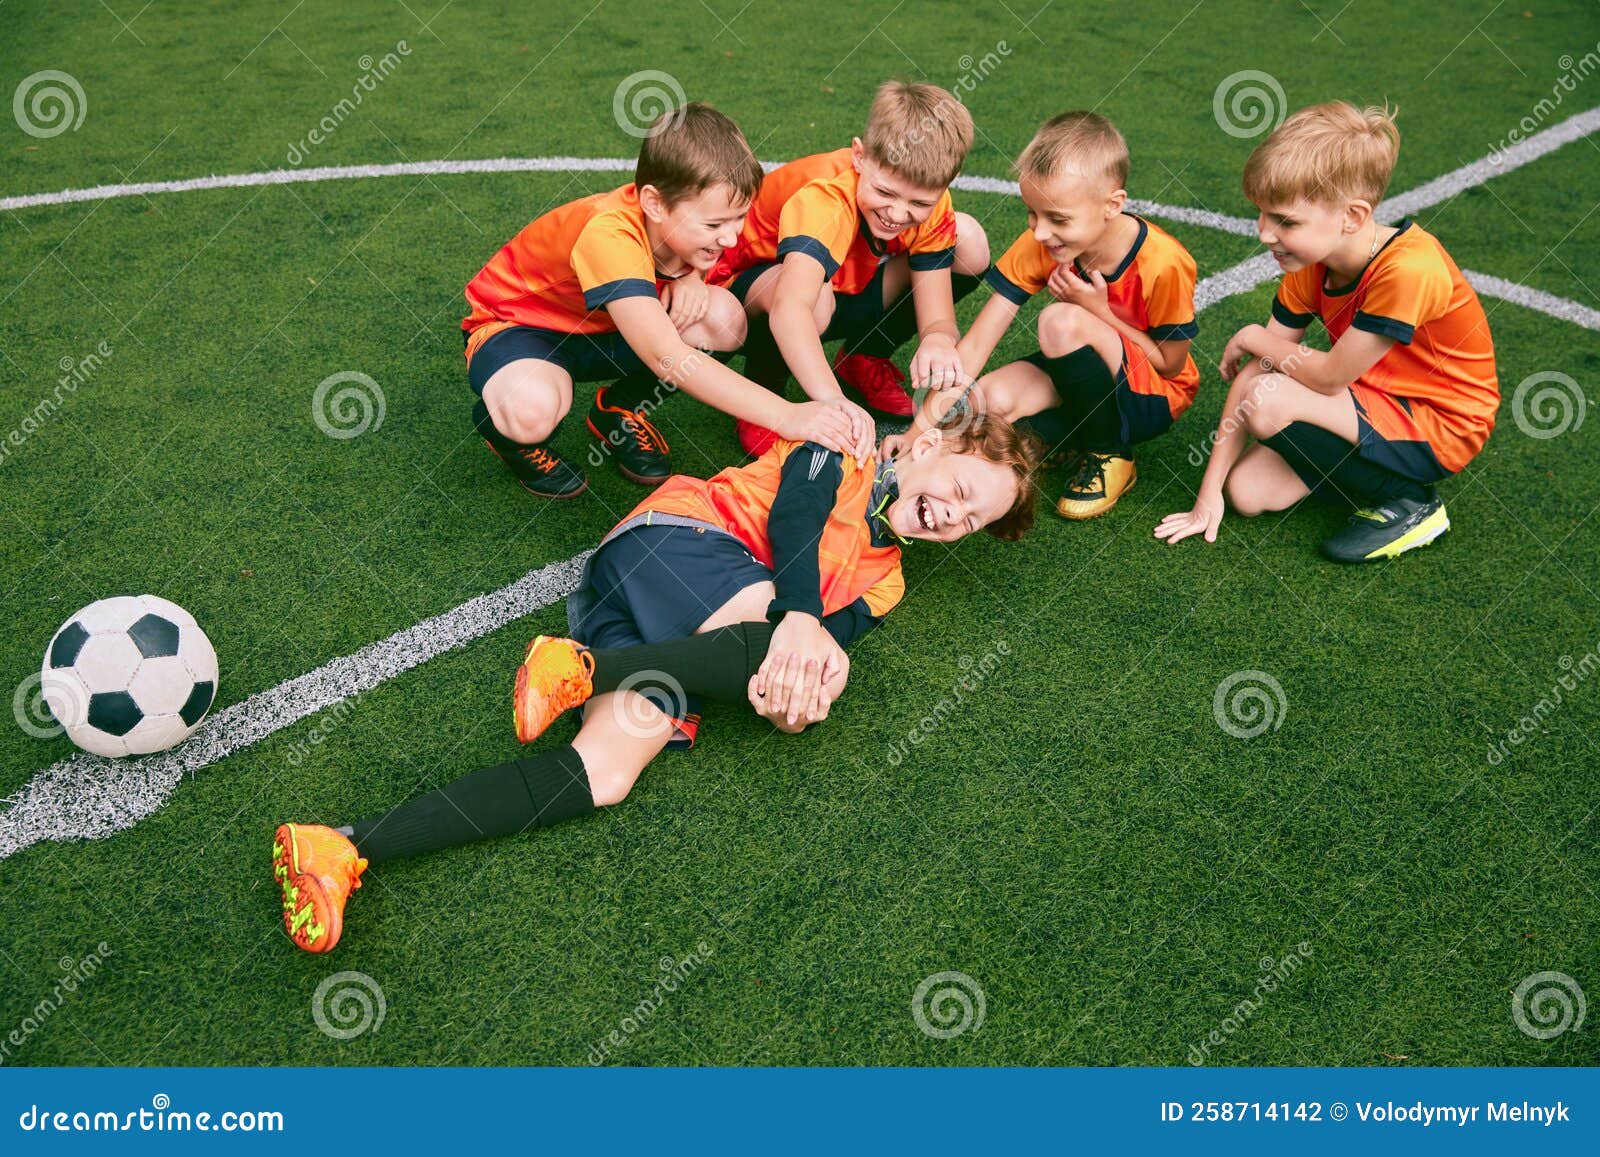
x,y
1388,531
540,470
630,440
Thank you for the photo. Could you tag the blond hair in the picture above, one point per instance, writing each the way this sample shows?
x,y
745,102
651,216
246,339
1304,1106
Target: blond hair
x,y
1331,152
1077,142
690,149
918,131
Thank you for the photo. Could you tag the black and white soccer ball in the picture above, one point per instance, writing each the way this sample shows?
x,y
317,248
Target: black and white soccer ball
x,y
129,675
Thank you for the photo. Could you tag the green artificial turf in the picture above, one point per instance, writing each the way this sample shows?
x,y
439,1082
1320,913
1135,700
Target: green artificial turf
x,y
1079,836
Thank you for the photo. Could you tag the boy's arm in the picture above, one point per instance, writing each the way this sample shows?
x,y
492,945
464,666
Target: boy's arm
x,y
1279,349
794,326
936,364
985,333
649,332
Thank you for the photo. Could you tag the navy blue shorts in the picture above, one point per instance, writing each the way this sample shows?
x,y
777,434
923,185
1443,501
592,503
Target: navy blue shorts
x,y
854,314
653,584
587,357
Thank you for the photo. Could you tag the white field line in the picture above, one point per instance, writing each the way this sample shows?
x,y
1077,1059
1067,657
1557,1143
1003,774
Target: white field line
x,y
90,797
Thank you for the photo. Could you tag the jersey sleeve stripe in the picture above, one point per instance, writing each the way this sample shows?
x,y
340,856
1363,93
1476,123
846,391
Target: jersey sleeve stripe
x,y
1181,331
1005,287
1282,313
938,259
1384,326
813,249
614,290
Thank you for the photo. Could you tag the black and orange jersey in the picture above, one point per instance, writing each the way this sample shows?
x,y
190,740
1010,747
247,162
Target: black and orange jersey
x,y
1443,356
809,206
562,269
1152,290
738,501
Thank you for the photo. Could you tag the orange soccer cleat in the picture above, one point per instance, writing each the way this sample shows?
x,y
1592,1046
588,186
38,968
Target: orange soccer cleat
x,y
316,869
556,675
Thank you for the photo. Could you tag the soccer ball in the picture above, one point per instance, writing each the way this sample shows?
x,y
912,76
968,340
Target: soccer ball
x,y
129,675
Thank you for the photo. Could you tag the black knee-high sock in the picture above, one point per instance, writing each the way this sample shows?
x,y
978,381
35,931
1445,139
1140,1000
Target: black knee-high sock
x,y
716,665
898,324
1088,418
494,801
1335,471
633,391
763,361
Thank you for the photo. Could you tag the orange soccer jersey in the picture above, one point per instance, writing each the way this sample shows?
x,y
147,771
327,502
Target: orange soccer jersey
x,y
809,206
559,272
1152,290
739,501
1437,383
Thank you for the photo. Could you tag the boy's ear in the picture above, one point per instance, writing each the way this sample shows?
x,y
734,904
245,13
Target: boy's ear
x,y
925,443
858,153
653,203
1115,202
1356,215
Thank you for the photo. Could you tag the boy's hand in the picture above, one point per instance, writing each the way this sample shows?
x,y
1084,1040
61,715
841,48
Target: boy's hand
x,y
842,426
778,718
895,445
1234,355
1204,519
801,658
936,366
686,299
1066,285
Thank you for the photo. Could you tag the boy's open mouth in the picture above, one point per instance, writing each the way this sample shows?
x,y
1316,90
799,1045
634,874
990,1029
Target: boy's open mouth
x,y
924,512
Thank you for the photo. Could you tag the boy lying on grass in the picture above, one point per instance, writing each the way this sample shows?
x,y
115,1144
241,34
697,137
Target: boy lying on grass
x,y
747,585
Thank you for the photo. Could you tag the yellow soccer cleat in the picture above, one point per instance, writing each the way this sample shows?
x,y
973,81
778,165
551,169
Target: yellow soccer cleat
x,y
316,869
1099,481
556,675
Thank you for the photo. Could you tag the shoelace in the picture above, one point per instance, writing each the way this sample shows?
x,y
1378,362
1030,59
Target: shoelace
x,y
569,688
645,435
541,458
1093,469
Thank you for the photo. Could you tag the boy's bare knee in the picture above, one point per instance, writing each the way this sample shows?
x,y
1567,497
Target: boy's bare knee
x,y
991,395
610,787
1263,409
1240,498
972,246
524,412
724,326
1064,327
